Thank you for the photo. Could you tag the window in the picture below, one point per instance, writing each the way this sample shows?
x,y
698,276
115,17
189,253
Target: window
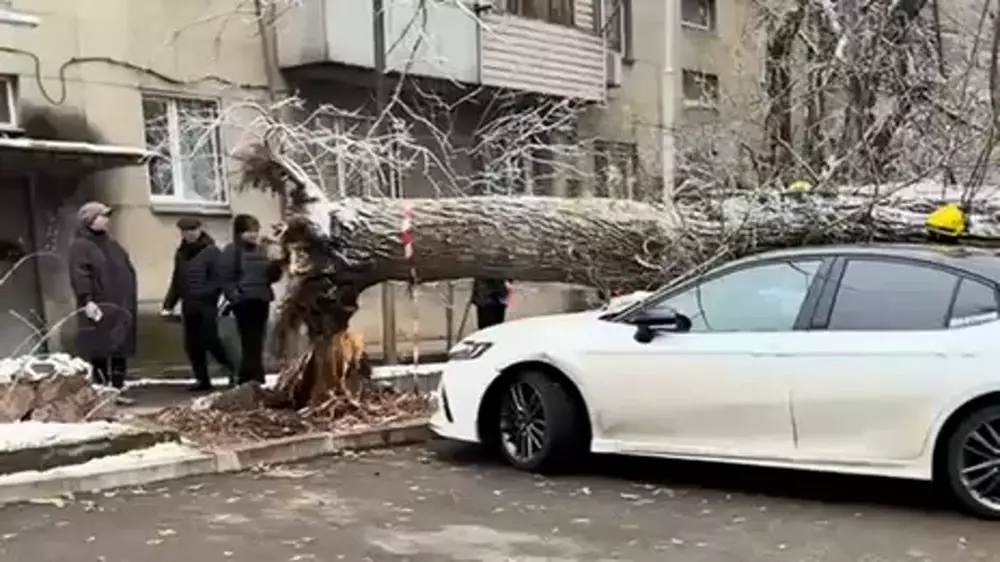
x,y
698,13
890,295
975,303
700,88
617,166
185,133
763,298
554,11
618,22
347,166
8,102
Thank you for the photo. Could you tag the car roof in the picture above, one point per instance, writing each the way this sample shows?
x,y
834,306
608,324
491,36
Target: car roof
x,y
978,261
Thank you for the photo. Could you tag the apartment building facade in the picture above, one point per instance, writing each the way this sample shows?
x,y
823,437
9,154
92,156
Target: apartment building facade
x,y
105,83
148,76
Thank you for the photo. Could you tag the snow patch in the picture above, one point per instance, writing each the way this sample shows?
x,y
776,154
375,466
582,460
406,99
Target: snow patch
x,y
384,372
160,453
622,302
37,367
32,434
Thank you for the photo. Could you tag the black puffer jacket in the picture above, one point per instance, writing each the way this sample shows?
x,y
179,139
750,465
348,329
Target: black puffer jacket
x,y
197,278
248,272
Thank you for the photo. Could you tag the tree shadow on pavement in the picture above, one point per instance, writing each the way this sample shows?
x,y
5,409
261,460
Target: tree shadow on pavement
x,y
799,485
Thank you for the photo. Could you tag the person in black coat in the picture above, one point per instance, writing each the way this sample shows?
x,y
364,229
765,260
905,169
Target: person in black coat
x,y
491,297
104,283
197,284
249,275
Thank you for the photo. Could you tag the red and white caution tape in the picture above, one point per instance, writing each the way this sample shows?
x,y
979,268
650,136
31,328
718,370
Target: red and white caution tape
x,y
406,238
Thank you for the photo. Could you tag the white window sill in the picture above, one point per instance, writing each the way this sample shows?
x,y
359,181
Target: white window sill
x,y
697,27
700,105
191,208
18,19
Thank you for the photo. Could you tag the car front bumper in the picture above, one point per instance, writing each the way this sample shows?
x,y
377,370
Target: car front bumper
x,y
457,398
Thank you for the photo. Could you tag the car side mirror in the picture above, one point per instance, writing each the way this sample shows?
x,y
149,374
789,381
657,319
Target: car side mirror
x,y
646,325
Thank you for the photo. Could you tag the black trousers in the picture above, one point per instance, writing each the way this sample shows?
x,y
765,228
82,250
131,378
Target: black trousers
x,y
109,371
251,321
201,338
490,314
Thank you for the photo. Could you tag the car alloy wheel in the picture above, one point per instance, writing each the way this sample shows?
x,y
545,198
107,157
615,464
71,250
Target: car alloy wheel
x,y
523,426
979,463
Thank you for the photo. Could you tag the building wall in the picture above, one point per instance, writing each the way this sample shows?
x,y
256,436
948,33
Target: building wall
x,y
110,52
634,111
170,37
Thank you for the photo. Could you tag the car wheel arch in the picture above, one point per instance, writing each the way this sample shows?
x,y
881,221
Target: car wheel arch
x,y
951,423
486,415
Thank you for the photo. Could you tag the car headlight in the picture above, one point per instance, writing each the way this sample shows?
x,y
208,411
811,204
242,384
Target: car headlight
x,y
468,350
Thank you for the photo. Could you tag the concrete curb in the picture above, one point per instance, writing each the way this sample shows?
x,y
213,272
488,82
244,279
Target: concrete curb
x,y
284,450
65,454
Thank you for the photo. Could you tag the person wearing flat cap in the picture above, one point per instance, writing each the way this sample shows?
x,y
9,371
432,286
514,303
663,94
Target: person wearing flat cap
x,y
196,284
105,286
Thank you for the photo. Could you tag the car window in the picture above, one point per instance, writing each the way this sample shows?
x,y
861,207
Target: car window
x,y
892,295
763,298
975,303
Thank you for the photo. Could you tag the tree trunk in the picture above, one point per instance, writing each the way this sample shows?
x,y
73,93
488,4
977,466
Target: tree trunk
x,y
604,243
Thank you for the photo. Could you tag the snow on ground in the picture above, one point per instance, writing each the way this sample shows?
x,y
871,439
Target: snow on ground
x,y
32,434
161,453
384,372
36,367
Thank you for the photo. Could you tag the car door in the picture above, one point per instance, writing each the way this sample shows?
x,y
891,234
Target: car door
x,y
890,340
705,392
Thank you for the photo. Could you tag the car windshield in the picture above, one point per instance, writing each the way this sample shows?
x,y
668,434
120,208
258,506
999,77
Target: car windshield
x,y
618,306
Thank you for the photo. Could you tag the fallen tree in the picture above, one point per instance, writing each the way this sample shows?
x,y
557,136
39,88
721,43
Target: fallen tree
x,y
603,243
336,249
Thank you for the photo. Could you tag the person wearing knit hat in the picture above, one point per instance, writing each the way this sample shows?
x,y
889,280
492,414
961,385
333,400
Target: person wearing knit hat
x,y
104,283
249,275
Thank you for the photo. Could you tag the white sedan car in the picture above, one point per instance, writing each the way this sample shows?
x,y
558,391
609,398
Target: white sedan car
x,y
877,360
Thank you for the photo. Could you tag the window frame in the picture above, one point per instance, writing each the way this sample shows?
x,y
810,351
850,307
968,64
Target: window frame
x,y
806,311
701,102
827,300
713,12
8,84
607,152
176,164
624,15
515,8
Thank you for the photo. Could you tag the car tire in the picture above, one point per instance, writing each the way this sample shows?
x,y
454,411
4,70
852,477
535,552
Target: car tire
x,y
958,461
564,437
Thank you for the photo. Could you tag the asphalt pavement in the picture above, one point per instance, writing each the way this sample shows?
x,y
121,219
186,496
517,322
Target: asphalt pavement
x,y
448,503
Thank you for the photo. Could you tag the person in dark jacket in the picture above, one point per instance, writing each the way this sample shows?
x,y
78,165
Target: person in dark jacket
x,y
491,297
197,284
105,286
249,275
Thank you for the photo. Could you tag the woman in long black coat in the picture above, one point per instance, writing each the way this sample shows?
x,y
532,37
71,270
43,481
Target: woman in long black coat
x,y
106,289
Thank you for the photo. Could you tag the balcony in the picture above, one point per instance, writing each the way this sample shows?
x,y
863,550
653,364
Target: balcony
x,y
449,41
